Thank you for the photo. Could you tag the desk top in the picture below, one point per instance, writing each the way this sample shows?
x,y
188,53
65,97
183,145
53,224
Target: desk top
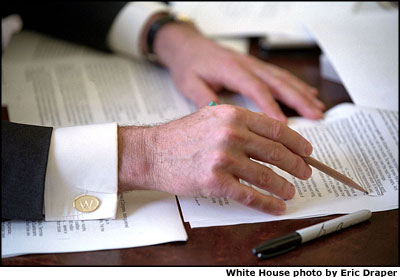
x,y
371,243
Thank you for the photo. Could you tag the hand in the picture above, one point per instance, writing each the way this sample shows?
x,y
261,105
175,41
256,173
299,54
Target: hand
x,y
206,153
200,68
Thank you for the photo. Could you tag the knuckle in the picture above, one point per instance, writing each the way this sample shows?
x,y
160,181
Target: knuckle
x,y
265,177
277,152
221,159
249,199
298,166
283,189
230,113
276,129
232,136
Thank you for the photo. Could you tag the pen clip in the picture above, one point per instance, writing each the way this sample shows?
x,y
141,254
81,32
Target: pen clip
x,y
273,254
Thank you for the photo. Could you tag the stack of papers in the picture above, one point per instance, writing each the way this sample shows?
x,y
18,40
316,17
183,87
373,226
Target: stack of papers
x,y
143,218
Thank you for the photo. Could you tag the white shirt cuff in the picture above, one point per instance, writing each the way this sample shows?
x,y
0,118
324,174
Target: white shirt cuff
x,y
83,160
124,35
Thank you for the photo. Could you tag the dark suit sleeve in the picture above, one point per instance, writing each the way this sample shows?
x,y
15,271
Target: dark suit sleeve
x,y
81,22
24,154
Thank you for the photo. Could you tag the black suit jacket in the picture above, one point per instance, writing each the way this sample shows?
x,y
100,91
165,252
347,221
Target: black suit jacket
x,y
24,153
25,148
82,22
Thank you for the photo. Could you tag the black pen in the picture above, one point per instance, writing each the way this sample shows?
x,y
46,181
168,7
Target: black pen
x,y
281,245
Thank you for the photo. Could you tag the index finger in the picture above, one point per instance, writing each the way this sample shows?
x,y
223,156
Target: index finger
x,y
274,130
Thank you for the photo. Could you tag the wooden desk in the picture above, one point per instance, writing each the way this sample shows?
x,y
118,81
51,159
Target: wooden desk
x,y
371,243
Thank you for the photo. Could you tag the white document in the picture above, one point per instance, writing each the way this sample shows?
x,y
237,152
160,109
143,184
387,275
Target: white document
x,y
281,21
260,18
364,50
54,83
143,218
359,142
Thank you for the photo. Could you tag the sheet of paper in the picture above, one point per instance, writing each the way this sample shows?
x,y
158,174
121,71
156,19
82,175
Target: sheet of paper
x,y
362,143
240,45
51,82
364,51
143,218
260,18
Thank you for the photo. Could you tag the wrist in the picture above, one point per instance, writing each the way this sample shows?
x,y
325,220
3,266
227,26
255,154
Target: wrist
x,y
156,26
172,40
146,29
135,158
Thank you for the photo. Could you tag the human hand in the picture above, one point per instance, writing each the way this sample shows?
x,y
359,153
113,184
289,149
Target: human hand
x,y
200,68
206,153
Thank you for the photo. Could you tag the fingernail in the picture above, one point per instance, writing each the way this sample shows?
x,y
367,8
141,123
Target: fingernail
x,y
308,149
307,172
281,207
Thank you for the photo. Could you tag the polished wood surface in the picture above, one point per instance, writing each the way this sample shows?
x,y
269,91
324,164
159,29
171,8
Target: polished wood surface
x,y
371,243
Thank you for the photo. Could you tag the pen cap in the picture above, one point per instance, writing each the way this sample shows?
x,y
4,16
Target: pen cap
x,y
278,244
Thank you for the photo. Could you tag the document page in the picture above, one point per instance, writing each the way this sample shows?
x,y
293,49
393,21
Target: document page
x,y
361,143
259,18
55,83
143,218
365,53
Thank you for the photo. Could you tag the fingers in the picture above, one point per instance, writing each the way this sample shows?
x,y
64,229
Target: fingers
x,y
292,79
198,91
274,130
254,199
275,153
303,103
266,102
262,177
289,89
242,80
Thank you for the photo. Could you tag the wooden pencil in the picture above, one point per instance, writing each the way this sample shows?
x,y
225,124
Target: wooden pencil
x,y
333,173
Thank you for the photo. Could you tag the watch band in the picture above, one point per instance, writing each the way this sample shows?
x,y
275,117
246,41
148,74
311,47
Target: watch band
x,y
156,26
153,30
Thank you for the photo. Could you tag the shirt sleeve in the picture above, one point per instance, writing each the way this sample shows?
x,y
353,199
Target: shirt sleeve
x,y
124,34
82,161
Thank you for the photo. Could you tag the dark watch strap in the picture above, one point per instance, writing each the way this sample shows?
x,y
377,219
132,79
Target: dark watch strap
x,y
154,28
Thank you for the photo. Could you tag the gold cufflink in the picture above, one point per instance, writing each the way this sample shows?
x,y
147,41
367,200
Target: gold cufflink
x,y
86,203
